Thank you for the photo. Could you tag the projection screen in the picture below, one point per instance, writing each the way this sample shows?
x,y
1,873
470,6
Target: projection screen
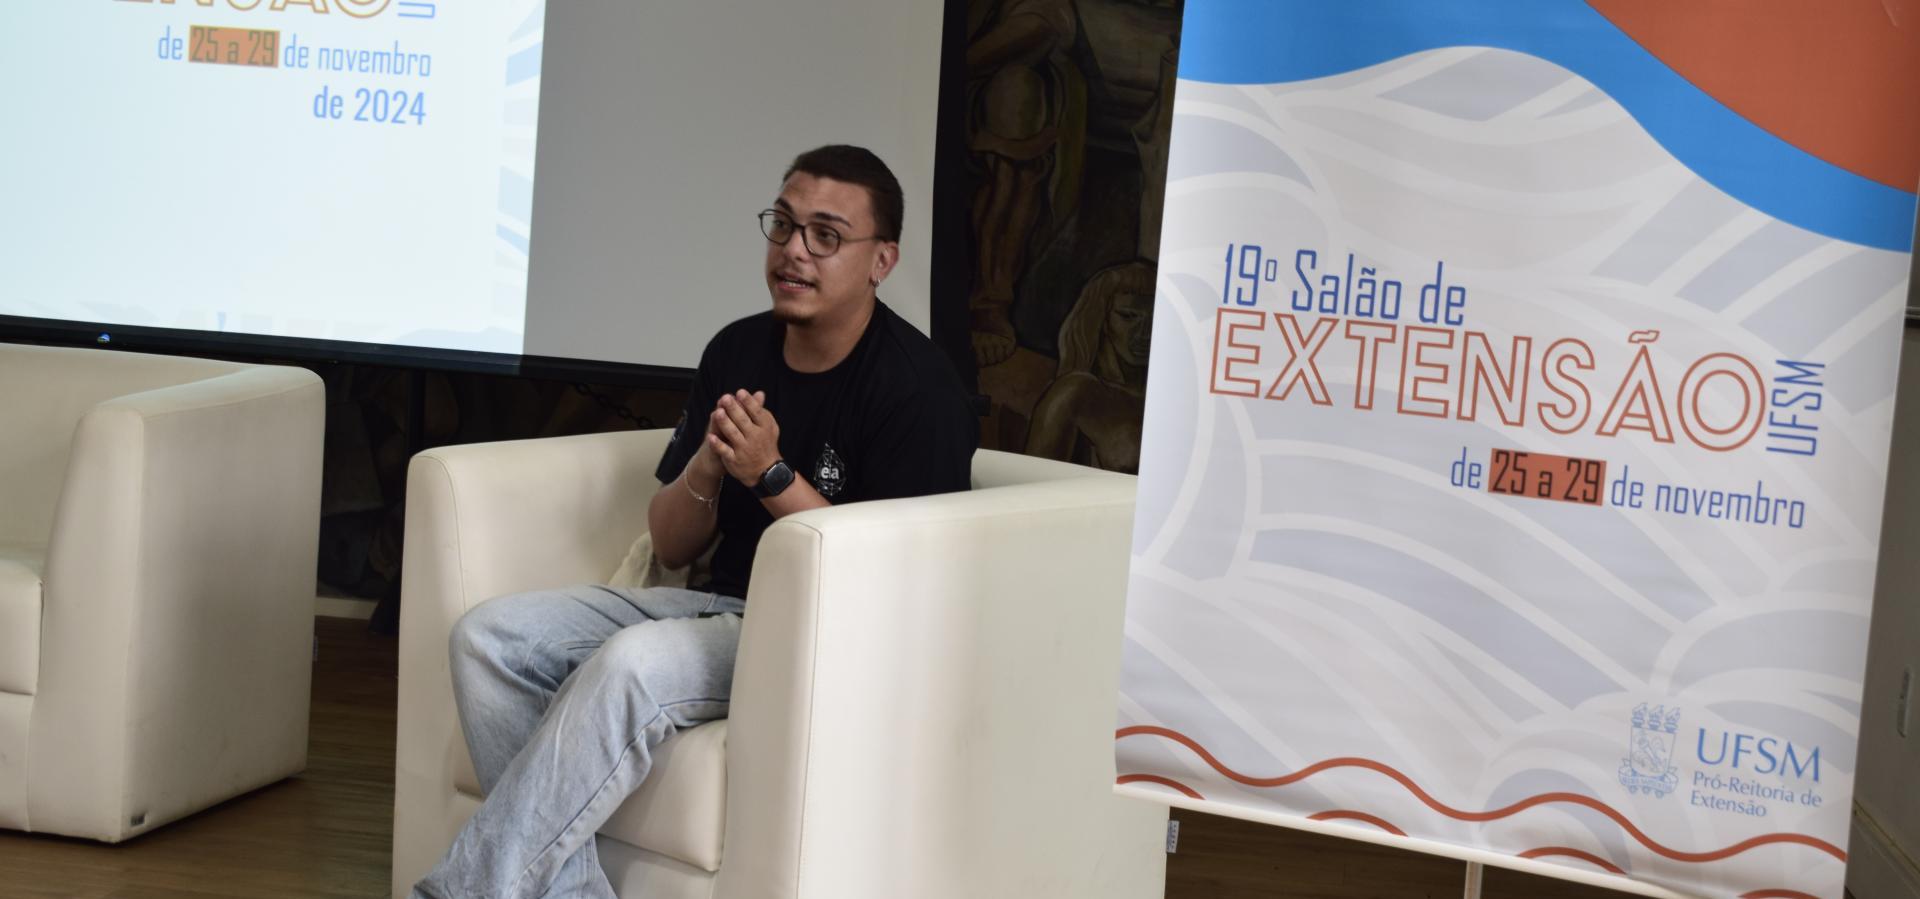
x,y
357,178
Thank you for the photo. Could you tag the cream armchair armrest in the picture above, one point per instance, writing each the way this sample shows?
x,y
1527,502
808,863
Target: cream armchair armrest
x,y
505,517
482,521
151,709
924,702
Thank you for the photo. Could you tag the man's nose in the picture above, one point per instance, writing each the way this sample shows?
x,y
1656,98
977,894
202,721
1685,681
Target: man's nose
x,y
796,246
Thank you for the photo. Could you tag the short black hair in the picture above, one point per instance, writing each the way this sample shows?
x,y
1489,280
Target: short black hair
x,y
858,165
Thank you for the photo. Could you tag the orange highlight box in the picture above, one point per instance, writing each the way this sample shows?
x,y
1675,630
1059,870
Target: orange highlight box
x,y
259,47
1564,479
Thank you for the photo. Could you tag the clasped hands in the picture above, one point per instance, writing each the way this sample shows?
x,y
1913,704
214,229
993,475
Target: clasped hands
x,y
743,440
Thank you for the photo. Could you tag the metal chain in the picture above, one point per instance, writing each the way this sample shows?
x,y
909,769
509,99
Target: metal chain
x,y
619,410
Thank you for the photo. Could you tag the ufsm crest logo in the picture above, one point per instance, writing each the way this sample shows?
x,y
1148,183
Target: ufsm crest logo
x,y
1649,762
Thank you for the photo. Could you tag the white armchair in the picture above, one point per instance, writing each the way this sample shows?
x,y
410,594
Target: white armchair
x,y
159,525
923,704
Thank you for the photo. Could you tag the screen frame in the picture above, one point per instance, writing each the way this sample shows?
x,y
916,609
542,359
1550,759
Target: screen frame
x,y
139,339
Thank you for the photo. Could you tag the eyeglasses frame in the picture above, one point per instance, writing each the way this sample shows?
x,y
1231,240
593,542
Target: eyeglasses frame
x,y
801,229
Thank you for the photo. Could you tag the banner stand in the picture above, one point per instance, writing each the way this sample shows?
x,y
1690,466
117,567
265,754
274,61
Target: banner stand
x,y
1518,431
1412,844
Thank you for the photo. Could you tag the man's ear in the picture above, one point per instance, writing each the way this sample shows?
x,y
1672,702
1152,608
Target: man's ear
x,y
883,262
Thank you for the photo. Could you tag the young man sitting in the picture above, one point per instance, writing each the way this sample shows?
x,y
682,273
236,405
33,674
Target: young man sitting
x,y
829,397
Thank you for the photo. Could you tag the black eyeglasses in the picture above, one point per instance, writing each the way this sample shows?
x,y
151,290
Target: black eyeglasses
x,y
819,239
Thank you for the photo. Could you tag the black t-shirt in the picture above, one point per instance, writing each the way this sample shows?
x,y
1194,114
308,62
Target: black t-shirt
x,y
891,420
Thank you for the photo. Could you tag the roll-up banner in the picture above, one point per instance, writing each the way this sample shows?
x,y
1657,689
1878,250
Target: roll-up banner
x,y
1517,428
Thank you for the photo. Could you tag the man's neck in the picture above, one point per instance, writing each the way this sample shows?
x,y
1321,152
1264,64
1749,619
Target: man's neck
x,y
820,345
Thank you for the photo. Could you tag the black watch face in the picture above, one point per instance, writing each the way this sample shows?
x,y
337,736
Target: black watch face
x,y
776,479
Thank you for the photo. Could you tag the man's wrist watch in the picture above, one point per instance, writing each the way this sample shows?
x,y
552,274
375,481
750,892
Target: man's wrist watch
x,y
775,479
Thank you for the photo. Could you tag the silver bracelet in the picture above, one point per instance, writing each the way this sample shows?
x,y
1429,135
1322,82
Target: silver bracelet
x,y
704,500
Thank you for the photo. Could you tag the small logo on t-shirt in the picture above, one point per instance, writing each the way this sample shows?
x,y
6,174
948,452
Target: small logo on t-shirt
x,y
830,474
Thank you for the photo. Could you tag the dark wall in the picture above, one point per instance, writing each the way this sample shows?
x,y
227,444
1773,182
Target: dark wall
x,y
1065,116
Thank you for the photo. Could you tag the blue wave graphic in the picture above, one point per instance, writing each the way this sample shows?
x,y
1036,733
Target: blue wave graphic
x,y
1277,41
525,64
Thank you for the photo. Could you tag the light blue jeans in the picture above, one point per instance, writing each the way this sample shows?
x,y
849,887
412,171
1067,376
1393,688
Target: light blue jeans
x,y
562,695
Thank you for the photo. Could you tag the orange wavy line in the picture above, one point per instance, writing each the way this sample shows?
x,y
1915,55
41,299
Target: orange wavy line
x,y
1163,781
1357,816
1588,857
1462,815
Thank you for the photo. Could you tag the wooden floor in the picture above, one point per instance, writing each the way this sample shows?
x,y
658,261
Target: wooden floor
x,y
1223,858
327,832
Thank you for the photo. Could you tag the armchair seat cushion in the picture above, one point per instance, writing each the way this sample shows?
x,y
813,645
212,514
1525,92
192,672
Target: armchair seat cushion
x,y
679,811
21,572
